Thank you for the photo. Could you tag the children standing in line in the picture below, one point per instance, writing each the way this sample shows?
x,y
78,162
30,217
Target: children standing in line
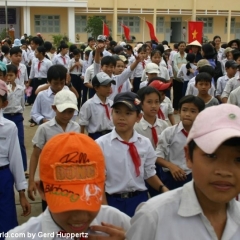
x,y
16,57
94,115
230,69
11,170
75,70
15,107
129,157
203,84
170,149
204,208
64,104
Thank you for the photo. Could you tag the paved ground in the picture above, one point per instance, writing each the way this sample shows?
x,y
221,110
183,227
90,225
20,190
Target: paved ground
x,y
29,133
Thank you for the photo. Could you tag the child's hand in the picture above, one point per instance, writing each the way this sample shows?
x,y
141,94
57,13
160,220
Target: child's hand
x,y
26,207
100,47
78,64
177,173
138,59
32,189
115,233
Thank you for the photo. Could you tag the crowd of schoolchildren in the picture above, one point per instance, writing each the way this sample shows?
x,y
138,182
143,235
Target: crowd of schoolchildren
x,y
113,161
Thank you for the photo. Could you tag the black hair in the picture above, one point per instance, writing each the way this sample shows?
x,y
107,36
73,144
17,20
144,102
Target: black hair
x,y
4,97
41,49
48,46
76,52
56,72
236,54
175,45
215,37
141,49
156,78
8,41
146,91
197,101
190,58
156,51
165,42
87,53
160,48
107,60
232,142
5,49
12,68
113,44
110,38
203,77
207,69
15,50
62,46
72,48
209,52
224,45
181,42
37,41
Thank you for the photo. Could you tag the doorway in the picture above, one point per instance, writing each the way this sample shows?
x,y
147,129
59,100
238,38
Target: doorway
x,y
176,29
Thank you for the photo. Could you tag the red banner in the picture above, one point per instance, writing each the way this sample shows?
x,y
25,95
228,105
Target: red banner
x,y
106,31
195,31
152,31
126,32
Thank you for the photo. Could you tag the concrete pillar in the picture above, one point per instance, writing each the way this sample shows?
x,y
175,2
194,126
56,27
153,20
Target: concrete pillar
x,y
194,10
26,21
114,25
71,24
229,26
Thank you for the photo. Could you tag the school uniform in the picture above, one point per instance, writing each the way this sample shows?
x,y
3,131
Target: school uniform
x,y
221,84
178,215
85,89
44,224
234,97
126,87
42,107
137,75
192,90
171,148
167,109
11,173
88,79
24,57
232,84
38,75
14,113
163,73
182,73
223,62
6,60
96,117
131,59
22,75
62,60
220,54
76,78
124,189
212,102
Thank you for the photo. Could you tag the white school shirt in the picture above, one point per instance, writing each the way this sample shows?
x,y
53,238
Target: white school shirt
x,y
182,73
138,71
105,53
16,100
22,75
131,59
89,74
126,87
163,73
58,59
76,71
234,97
93,115
30,56
192,90
42,107
42,72
6,60
35,227
171,57
162,63
232,84
24,57
170,71
166,107
223,62
144,128
84,67
220,54
10,152
221,84
51,128
120,171
177,215
171,147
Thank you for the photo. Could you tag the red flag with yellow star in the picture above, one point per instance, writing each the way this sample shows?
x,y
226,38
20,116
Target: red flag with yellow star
x,y
195,31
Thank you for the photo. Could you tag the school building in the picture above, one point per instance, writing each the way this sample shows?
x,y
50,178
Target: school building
x,y
69,17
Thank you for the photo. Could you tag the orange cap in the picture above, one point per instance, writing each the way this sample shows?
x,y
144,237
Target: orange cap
x,y
72,170
160,86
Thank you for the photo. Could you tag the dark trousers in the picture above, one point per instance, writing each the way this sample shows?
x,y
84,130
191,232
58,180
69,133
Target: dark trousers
x,y
177,93
78,85
84,94
18,120
127,205
136,84
184,89
8,214
35,83
97,135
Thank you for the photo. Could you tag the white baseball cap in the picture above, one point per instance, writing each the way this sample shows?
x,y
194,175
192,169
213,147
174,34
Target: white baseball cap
x,y
65,99
152,68
215,125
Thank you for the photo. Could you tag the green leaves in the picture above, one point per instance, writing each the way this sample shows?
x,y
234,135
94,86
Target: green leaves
x,y
95,26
